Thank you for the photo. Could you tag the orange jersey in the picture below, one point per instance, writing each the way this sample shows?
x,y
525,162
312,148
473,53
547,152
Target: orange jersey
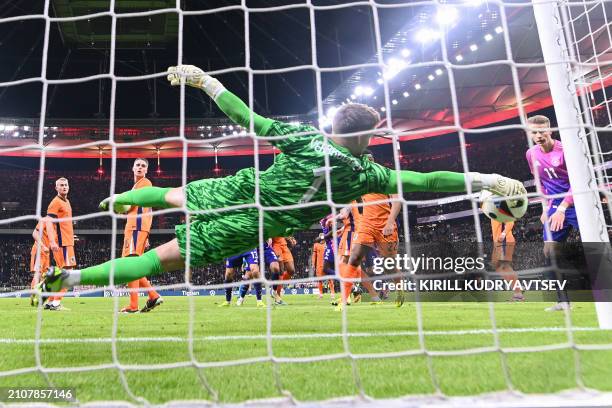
x,y
351,222
139,218
60,208
498,227
279,241
318,250
375,215
40,227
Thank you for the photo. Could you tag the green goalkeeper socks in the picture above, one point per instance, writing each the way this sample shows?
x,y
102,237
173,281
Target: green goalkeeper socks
x,y
126,269
145,197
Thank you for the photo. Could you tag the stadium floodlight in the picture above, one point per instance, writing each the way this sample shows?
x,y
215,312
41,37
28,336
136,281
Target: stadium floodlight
x,y
417,86
439,72
406,94
431,77
358,90
26,128
473,47
383,109
394,101
395,66
405,53
368,90
488,37
379,81
426,35
447,15
499,29
353,96
459,58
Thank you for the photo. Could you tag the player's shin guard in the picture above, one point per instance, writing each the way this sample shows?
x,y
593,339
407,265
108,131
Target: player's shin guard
x,y
257,290
125,269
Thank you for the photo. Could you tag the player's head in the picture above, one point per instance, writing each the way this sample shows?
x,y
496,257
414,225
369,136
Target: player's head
x,y
140,167
537,130
61,186
353,118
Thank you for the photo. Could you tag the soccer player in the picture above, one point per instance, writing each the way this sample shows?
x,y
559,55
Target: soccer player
x,y
40,259
547,163
285,258
251,259
503,252
136,238
295,177
61,238
377,229
318,253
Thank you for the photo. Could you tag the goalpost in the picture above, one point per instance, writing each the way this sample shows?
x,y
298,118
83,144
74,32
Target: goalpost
x,y
574,108
563,71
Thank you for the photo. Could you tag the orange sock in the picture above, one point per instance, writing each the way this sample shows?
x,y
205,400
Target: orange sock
x,y
368,284
144,283
60,297
330,284
320,288
133,294
348,271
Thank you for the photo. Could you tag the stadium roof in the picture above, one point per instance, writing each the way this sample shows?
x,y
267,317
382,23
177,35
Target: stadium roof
x,y
420,99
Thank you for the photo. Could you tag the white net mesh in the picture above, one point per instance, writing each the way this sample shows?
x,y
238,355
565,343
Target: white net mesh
x,y
463,87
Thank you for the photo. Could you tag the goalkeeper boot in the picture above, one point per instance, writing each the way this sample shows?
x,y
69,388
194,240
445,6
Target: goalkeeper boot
x,y
260,303
225,304
152,304
51,282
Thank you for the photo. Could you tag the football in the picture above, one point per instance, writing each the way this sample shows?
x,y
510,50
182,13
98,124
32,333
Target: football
x,y
500,209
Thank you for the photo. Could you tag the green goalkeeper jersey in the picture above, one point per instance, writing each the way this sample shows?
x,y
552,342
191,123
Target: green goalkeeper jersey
x,y
297,180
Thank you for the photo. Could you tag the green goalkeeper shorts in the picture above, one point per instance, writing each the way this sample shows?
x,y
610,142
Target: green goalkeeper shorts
x,y
218,233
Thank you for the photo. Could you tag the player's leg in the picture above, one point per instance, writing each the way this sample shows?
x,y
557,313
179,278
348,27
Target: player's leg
x,y
129,249
227,280
154,299
387,248
552,247
164,258
275,276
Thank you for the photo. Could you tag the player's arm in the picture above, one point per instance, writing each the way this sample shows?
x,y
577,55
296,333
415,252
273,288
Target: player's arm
x,y
396,206
452,182
230,104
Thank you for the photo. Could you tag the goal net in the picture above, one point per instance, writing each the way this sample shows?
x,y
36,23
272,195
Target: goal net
x,y
454,83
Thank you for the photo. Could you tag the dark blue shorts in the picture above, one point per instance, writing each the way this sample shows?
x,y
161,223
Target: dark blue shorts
x,y
369,258
571,221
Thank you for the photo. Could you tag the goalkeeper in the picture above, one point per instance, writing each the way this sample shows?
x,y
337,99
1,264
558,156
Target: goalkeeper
x,y
216,229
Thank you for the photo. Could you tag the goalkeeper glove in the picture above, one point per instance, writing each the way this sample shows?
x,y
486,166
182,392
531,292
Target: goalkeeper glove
x,y
195,78
500,185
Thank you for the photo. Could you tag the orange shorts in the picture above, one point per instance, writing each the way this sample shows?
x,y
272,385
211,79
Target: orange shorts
x,y
344,249
44,262
369,236
134,243
64,256
283,253
320,271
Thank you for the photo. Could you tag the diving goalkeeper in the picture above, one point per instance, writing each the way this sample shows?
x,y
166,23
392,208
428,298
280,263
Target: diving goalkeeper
x,y
224,217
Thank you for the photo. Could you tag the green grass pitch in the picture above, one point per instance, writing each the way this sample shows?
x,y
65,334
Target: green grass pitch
x,y
224,334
